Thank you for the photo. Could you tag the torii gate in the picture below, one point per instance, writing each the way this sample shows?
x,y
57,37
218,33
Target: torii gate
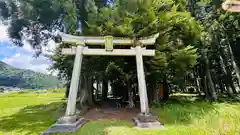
x,y
71,122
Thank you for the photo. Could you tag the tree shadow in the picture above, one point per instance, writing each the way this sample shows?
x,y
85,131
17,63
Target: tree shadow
x,y
35,119
183,109
233,99
32,119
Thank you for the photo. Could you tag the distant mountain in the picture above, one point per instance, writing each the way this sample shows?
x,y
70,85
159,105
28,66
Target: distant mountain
x,y
21,78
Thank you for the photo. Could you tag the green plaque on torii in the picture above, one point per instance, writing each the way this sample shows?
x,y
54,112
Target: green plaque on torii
x,y
108,43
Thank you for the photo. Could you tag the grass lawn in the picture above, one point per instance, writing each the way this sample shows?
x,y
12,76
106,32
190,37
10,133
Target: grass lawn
x,y
31,113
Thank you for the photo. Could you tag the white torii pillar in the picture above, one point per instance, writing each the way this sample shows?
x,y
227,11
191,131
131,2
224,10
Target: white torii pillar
x,y
141,82
72,99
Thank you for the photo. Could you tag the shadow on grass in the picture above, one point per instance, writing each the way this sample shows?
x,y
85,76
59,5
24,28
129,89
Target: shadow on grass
x,y
35,119
32,119
233,99
183,109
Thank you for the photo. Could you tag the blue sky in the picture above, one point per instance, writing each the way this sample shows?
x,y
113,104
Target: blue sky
x,y
6,50
21,57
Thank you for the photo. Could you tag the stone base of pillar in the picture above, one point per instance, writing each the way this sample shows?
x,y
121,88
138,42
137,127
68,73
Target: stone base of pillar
x,y
66,124
147,122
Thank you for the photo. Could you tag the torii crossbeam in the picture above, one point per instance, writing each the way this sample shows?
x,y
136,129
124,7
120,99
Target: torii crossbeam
x,y
71,122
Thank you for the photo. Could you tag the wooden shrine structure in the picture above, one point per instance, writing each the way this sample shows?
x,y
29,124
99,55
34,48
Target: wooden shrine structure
x,y
71,122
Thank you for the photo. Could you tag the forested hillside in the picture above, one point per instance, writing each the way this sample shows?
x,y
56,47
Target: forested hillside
x,y
10,76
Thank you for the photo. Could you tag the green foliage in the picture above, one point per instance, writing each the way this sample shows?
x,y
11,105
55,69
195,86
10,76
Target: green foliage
x,y
13,77
194,36
175,48
179,34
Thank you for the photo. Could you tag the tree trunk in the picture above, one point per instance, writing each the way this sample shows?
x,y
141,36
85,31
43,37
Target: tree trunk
x,y
82,14
83,93
222,86
161,91
98,89
90,91
211,88
202,79
155,94
226,76
134,95
105,88
197,79
226,58
207,96
150,93
165,89
93,90
229,80
191,5
67,90
130,96
235,67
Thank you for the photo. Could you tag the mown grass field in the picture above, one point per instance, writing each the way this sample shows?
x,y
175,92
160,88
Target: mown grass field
x,y
30,113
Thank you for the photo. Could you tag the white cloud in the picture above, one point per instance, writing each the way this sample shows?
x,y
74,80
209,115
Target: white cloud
x,y
23,56
50,48
27,61
3,34
27,47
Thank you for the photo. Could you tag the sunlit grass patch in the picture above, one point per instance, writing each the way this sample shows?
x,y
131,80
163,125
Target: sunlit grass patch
x,y
214,118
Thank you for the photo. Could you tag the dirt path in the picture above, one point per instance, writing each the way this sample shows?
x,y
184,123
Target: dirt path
x,y
111,113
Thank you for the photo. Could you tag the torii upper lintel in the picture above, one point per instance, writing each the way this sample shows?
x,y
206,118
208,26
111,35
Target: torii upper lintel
x,y
93,40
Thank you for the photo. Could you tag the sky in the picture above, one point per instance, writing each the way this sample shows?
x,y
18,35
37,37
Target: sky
x,y
21,57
